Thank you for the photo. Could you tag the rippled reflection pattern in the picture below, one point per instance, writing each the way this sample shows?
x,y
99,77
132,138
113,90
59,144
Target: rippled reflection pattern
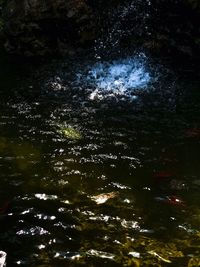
x,y
125,193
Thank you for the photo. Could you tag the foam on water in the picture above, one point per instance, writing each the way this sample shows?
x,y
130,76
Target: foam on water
x,y
119,77
124,75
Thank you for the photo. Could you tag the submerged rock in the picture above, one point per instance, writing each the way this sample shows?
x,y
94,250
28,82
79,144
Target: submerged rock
x,y
70,133
194,262
102,198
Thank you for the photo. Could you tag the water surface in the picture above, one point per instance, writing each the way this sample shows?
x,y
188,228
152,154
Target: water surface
x,y
99,164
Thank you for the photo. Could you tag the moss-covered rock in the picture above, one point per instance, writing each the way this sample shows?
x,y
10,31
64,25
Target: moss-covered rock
x,y
37,27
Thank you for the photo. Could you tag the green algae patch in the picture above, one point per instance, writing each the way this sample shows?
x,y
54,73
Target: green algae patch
x,y
70,133
194,262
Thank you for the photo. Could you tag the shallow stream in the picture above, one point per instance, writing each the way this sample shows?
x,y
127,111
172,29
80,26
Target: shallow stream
x,y
99,164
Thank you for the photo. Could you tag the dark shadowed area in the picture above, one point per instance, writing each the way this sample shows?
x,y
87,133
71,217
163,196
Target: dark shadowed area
x,y
100,149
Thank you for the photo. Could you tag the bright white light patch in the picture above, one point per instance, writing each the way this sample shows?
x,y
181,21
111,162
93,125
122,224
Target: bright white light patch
x,y
121,76
117,78
46,197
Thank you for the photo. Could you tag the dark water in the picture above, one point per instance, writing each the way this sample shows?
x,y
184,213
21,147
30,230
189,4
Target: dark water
x,y
104,179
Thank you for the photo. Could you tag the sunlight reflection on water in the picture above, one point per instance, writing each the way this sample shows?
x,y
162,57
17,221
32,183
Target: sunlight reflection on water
x,y
118,78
